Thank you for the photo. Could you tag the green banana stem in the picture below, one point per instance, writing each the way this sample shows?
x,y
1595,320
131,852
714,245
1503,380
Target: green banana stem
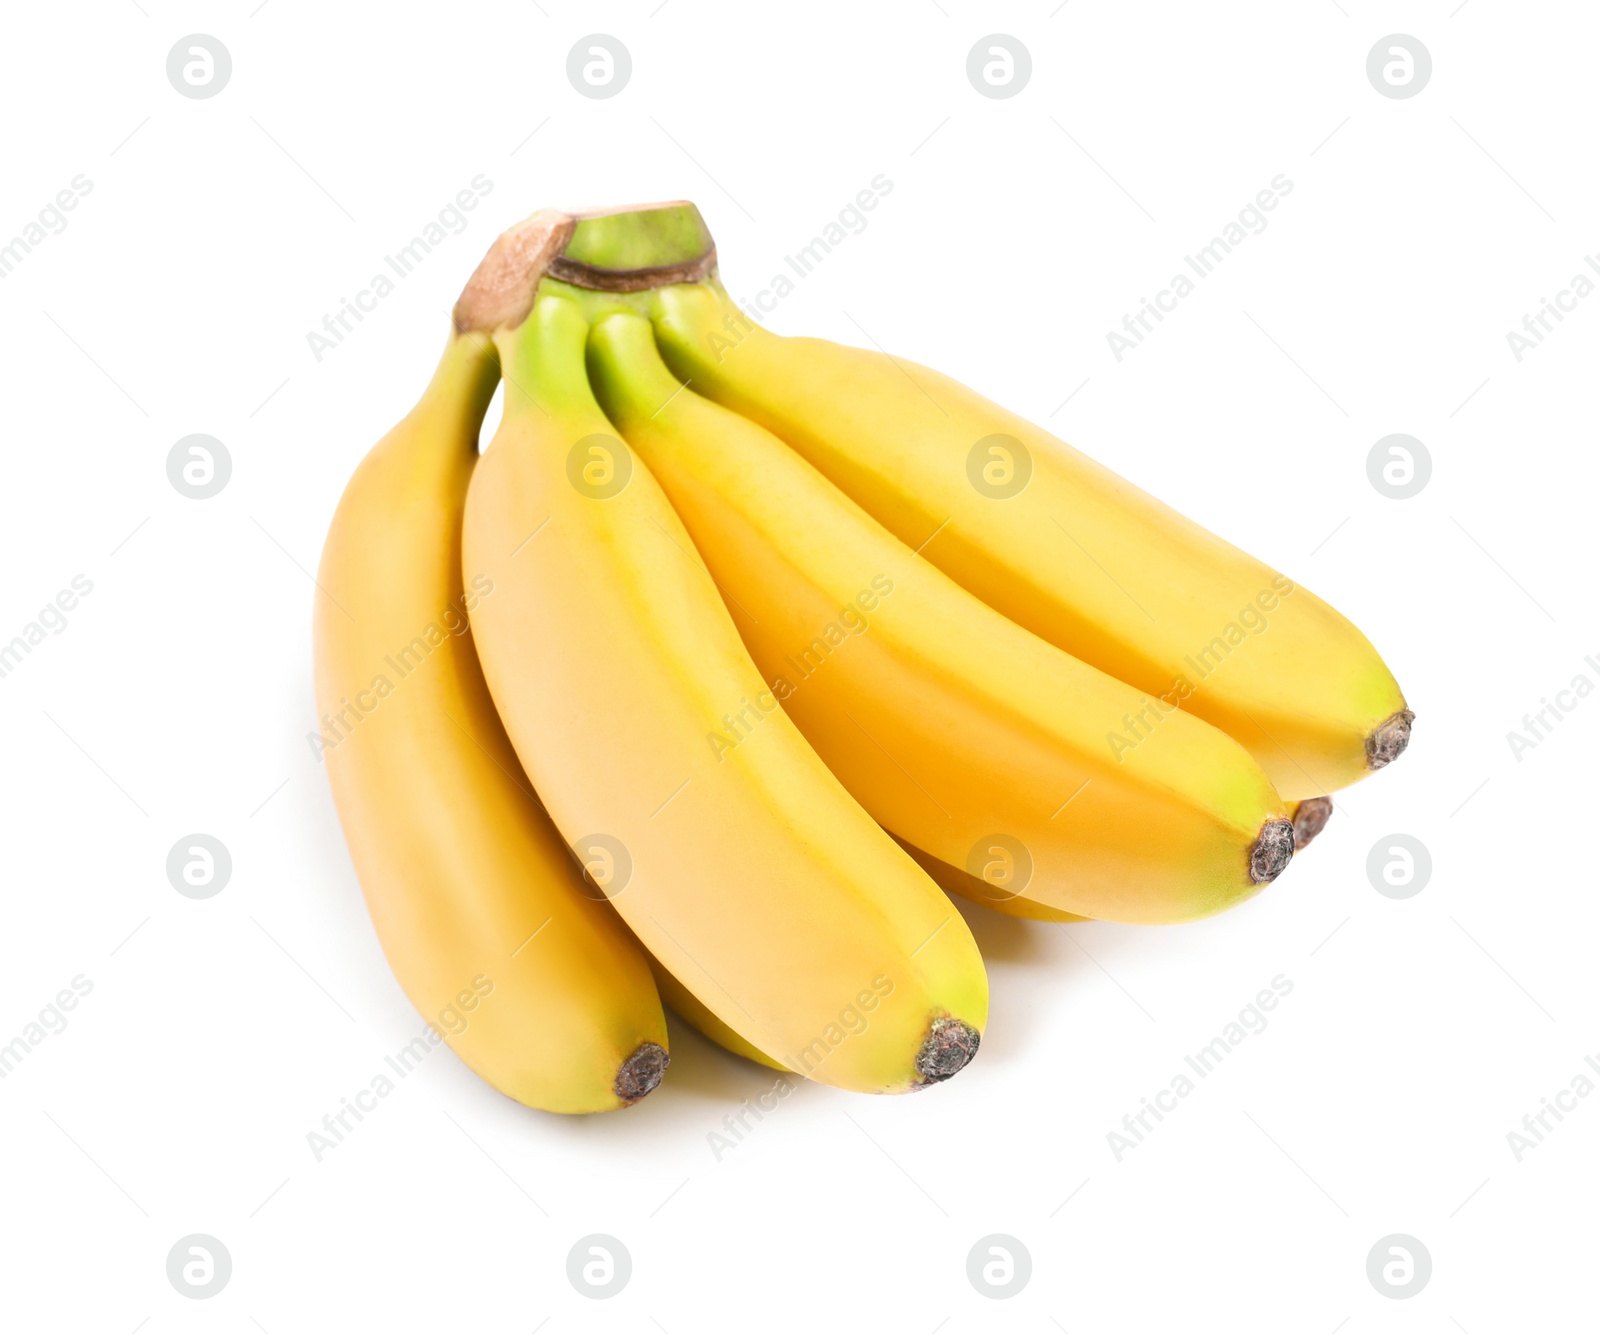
x,y
619,261
638,240
626,370
607,256
546,280
542,359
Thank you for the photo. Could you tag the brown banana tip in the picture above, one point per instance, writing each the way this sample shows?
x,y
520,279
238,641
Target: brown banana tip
x,y
1389,739
500,292
641,1072
1271,851
950,1044
1310,819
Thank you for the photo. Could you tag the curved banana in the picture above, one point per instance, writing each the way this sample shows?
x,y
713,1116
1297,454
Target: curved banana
x,y
1060,544
476,900
682,1002
995,885
960,732
758,882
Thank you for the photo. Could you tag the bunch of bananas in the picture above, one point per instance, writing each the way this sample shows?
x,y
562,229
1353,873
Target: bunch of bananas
x,y
733,652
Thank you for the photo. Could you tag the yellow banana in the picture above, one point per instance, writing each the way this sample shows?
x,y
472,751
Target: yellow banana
x,y
1060,544
476,900
682,1002
959,731
756,880
994,887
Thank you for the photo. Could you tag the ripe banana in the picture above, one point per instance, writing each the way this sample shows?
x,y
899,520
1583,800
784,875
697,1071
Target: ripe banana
x,y
476,900
757,882
1059,544
994,886
960,732
682,1002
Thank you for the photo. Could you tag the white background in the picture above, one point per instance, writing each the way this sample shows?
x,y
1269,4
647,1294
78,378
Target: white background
x,y
1018,232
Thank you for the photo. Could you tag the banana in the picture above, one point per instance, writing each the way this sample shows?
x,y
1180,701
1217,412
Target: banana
x,y
480,910
755,879
994,887
960,732
681,1001
1059,544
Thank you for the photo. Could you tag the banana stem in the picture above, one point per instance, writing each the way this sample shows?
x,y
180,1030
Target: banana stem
x,y
614,251
543,362
626,370
468,371
634,249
